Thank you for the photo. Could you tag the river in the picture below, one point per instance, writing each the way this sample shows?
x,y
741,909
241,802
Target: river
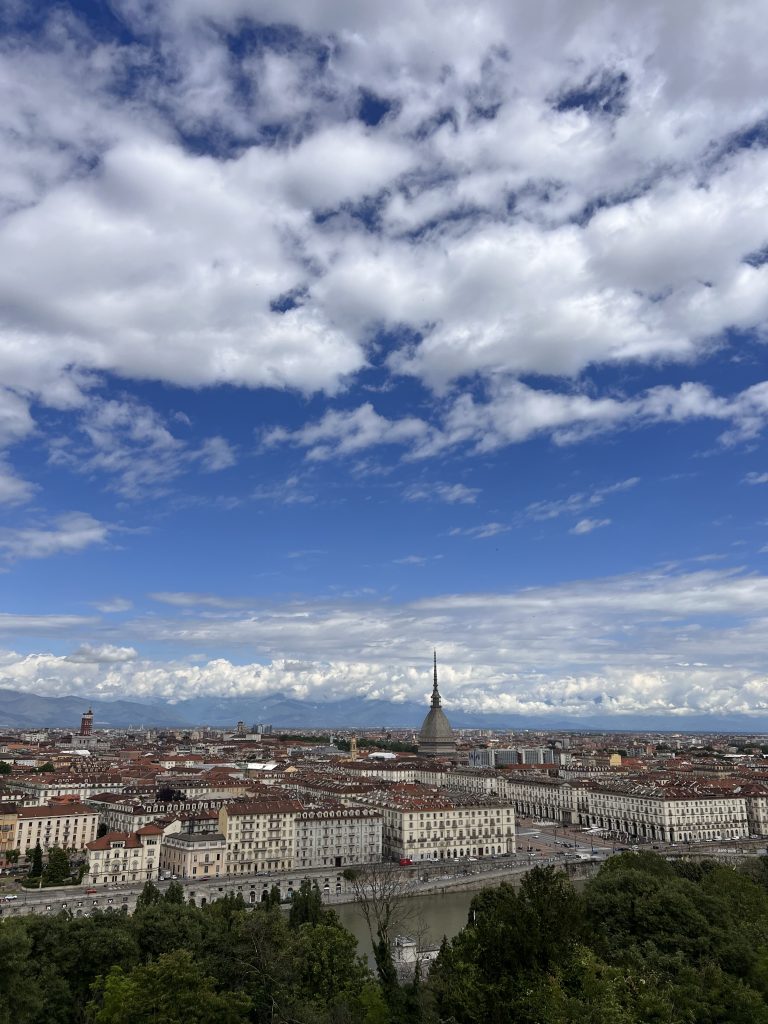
x,y
428,917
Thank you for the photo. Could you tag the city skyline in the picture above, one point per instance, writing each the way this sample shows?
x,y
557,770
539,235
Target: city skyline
x,y
331,336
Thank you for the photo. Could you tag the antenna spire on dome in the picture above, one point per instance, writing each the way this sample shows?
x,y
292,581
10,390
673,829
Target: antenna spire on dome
x,y
435,691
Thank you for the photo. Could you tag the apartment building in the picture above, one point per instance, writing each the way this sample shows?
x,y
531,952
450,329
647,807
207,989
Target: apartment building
x,y
260,834
664,809
124,857
337,836
755,796
66,824
193,855
535,795
127,814
425,824
8,822
38,789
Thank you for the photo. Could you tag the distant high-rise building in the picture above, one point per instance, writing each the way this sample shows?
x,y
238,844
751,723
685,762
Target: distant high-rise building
x,y
86,723
436,736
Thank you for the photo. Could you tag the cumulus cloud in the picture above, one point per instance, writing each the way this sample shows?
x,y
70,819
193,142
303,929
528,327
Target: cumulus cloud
x,y
342,432
513,412
542,193
106,654
65,534
686,642
13,489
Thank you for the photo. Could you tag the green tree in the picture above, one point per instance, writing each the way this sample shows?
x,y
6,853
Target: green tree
x,y
306,905
102,829
57,870
47,767
273,900
163,927
171,990
5,768
328,967
174,893
148,896
21,996
36,868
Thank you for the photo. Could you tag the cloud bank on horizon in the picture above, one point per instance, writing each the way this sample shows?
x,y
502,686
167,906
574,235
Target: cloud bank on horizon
x,y
331,332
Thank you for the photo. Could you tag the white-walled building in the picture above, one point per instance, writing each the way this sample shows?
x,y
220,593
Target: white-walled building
x,y
338,836
125,857
64,824
260,834
664,810
193,855
425,824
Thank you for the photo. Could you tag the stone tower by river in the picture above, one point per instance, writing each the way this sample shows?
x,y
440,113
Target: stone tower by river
x,y
436,736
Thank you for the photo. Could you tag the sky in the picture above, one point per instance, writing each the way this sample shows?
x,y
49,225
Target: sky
x,y
332,333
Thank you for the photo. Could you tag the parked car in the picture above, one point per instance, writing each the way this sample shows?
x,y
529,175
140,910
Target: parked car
x,y
405,862
11,896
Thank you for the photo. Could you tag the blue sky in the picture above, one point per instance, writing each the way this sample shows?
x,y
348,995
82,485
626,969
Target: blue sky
x,y
331,333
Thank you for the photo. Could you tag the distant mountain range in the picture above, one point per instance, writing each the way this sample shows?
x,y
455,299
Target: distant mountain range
x,y
30,711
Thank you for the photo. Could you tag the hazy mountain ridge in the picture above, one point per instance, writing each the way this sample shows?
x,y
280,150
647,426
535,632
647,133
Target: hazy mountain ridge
x,y
21,710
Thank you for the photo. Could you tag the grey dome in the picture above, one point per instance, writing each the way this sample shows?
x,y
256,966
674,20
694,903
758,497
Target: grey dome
x,y
436,736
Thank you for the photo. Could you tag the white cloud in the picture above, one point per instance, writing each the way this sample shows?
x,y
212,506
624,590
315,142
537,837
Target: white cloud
x,y
657,642
134,448
15,419
576,503
114,605
342,432
483,532
451,494
13,489
514,413
13,625
106,654
216,454
291,491
756,478
184,599
588,525
66,534
125,252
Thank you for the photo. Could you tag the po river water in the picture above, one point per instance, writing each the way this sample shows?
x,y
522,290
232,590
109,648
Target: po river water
x,y
428,917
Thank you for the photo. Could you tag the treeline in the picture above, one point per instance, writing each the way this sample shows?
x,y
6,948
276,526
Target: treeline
x,y
645,942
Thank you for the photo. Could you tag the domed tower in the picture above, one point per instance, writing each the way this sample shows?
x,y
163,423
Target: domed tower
x,y
436,736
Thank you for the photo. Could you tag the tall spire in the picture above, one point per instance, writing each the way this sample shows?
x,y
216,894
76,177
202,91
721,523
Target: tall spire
x,y
435,692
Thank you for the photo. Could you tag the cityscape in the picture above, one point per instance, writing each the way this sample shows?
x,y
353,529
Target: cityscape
x,y
255,807
383,522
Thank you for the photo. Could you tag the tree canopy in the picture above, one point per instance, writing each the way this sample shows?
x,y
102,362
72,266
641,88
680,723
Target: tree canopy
x,y
645,942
